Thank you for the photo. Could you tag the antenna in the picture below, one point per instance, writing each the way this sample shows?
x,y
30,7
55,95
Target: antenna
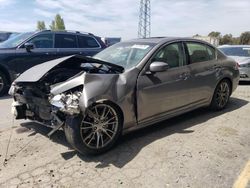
x,y
144,26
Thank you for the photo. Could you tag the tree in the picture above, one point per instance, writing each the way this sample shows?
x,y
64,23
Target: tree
x,y
226,39
214,34
245,38
53,25
41,25
58,23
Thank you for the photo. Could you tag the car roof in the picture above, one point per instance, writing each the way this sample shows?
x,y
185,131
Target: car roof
x,y
67,31
234,46
157,40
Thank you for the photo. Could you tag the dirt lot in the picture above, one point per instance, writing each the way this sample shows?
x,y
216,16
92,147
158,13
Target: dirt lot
x,y
198,149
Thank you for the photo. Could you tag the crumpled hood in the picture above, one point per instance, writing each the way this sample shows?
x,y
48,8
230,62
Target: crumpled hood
x,y
37,72
240,59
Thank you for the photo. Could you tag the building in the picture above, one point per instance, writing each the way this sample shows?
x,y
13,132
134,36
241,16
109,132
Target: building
x,y
212,40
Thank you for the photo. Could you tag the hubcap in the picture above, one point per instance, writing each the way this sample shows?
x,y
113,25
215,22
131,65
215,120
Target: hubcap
x,y
222,94
1,83
99,126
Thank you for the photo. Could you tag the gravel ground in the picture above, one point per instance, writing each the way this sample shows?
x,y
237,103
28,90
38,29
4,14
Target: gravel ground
x,y
198,149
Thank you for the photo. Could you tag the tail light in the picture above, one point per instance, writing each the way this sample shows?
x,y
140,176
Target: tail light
x,y
237,66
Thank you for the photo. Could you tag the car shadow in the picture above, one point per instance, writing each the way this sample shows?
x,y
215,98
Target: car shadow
x,y
244,83
131,144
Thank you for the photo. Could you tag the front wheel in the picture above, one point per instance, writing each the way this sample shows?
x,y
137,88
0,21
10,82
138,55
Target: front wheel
x,y
221,95
3,84
96,131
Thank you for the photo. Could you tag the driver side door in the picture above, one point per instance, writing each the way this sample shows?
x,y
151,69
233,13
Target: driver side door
x,y
43,51
162,93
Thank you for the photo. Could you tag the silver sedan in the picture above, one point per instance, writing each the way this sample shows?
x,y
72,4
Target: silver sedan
x,y
125,87
241,54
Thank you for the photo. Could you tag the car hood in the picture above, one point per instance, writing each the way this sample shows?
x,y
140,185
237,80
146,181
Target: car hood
x,y
37,72
240,59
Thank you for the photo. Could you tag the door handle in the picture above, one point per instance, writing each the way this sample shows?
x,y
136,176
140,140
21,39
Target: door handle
x,y
216,67
184,76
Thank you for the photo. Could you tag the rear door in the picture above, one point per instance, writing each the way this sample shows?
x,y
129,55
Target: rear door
x,y
165,92
204,69
66,44
88,45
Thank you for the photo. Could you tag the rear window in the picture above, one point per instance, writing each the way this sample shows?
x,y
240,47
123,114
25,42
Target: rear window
x,y
65,41
200,52
87,42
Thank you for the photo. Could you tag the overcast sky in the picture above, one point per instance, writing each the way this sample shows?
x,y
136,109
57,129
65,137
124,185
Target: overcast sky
x,y
120,17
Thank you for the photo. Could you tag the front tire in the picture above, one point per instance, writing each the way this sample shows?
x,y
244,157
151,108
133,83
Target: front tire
x,y
3,84
96,131
221,95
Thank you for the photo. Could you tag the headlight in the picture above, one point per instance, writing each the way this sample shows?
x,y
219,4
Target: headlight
x,y
68,103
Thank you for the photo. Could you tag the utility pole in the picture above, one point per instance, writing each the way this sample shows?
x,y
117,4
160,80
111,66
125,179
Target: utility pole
x,y
144,26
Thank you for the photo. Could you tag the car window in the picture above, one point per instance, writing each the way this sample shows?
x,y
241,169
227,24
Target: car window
x,y
236,51
42,41
65,41
87,42
125,54
200,52
171,54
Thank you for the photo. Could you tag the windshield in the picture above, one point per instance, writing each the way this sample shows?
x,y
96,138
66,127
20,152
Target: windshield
x,y
125,54
15,40
236,51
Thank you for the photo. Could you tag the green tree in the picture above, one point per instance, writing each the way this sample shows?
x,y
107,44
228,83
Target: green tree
x,y
245,38
41,25
226,39
214,34
58,23
53,25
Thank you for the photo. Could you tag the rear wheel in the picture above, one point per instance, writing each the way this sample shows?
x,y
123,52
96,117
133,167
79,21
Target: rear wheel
x,y
221,95
96,131
3,84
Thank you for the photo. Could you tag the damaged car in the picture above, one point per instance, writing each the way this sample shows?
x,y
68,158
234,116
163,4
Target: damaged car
x,y
125,87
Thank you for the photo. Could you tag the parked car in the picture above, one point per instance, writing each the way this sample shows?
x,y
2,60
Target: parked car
x,y
6,35
241,54
125,87
31,48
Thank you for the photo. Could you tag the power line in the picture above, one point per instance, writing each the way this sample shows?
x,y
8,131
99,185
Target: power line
x,y
144,26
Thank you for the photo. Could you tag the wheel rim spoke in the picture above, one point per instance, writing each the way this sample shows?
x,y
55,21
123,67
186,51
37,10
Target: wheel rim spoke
x,y
93,136
98,139
86,122
86,128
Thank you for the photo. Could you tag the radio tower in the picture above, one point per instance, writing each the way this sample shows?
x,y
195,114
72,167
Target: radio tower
x,y
144,26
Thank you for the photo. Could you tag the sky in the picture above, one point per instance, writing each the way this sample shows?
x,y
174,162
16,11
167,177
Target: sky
x,y
119,18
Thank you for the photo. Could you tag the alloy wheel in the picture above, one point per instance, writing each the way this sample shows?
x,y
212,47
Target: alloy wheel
x,y
99,126
222,94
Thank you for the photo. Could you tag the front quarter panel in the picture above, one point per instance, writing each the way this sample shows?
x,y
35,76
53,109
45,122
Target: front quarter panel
x,y
116,88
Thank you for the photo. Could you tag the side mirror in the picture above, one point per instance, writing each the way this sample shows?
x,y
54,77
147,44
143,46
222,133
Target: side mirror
x,y
158,66
29,46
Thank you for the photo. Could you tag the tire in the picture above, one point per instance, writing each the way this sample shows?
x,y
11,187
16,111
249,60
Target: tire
x,y
221,95
89,134
3,84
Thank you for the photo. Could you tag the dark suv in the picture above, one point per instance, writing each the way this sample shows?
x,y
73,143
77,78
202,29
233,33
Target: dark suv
x,y
28,49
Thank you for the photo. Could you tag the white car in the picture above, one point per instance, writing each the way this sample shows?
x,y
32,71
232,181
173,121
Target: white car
x,y
241,54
